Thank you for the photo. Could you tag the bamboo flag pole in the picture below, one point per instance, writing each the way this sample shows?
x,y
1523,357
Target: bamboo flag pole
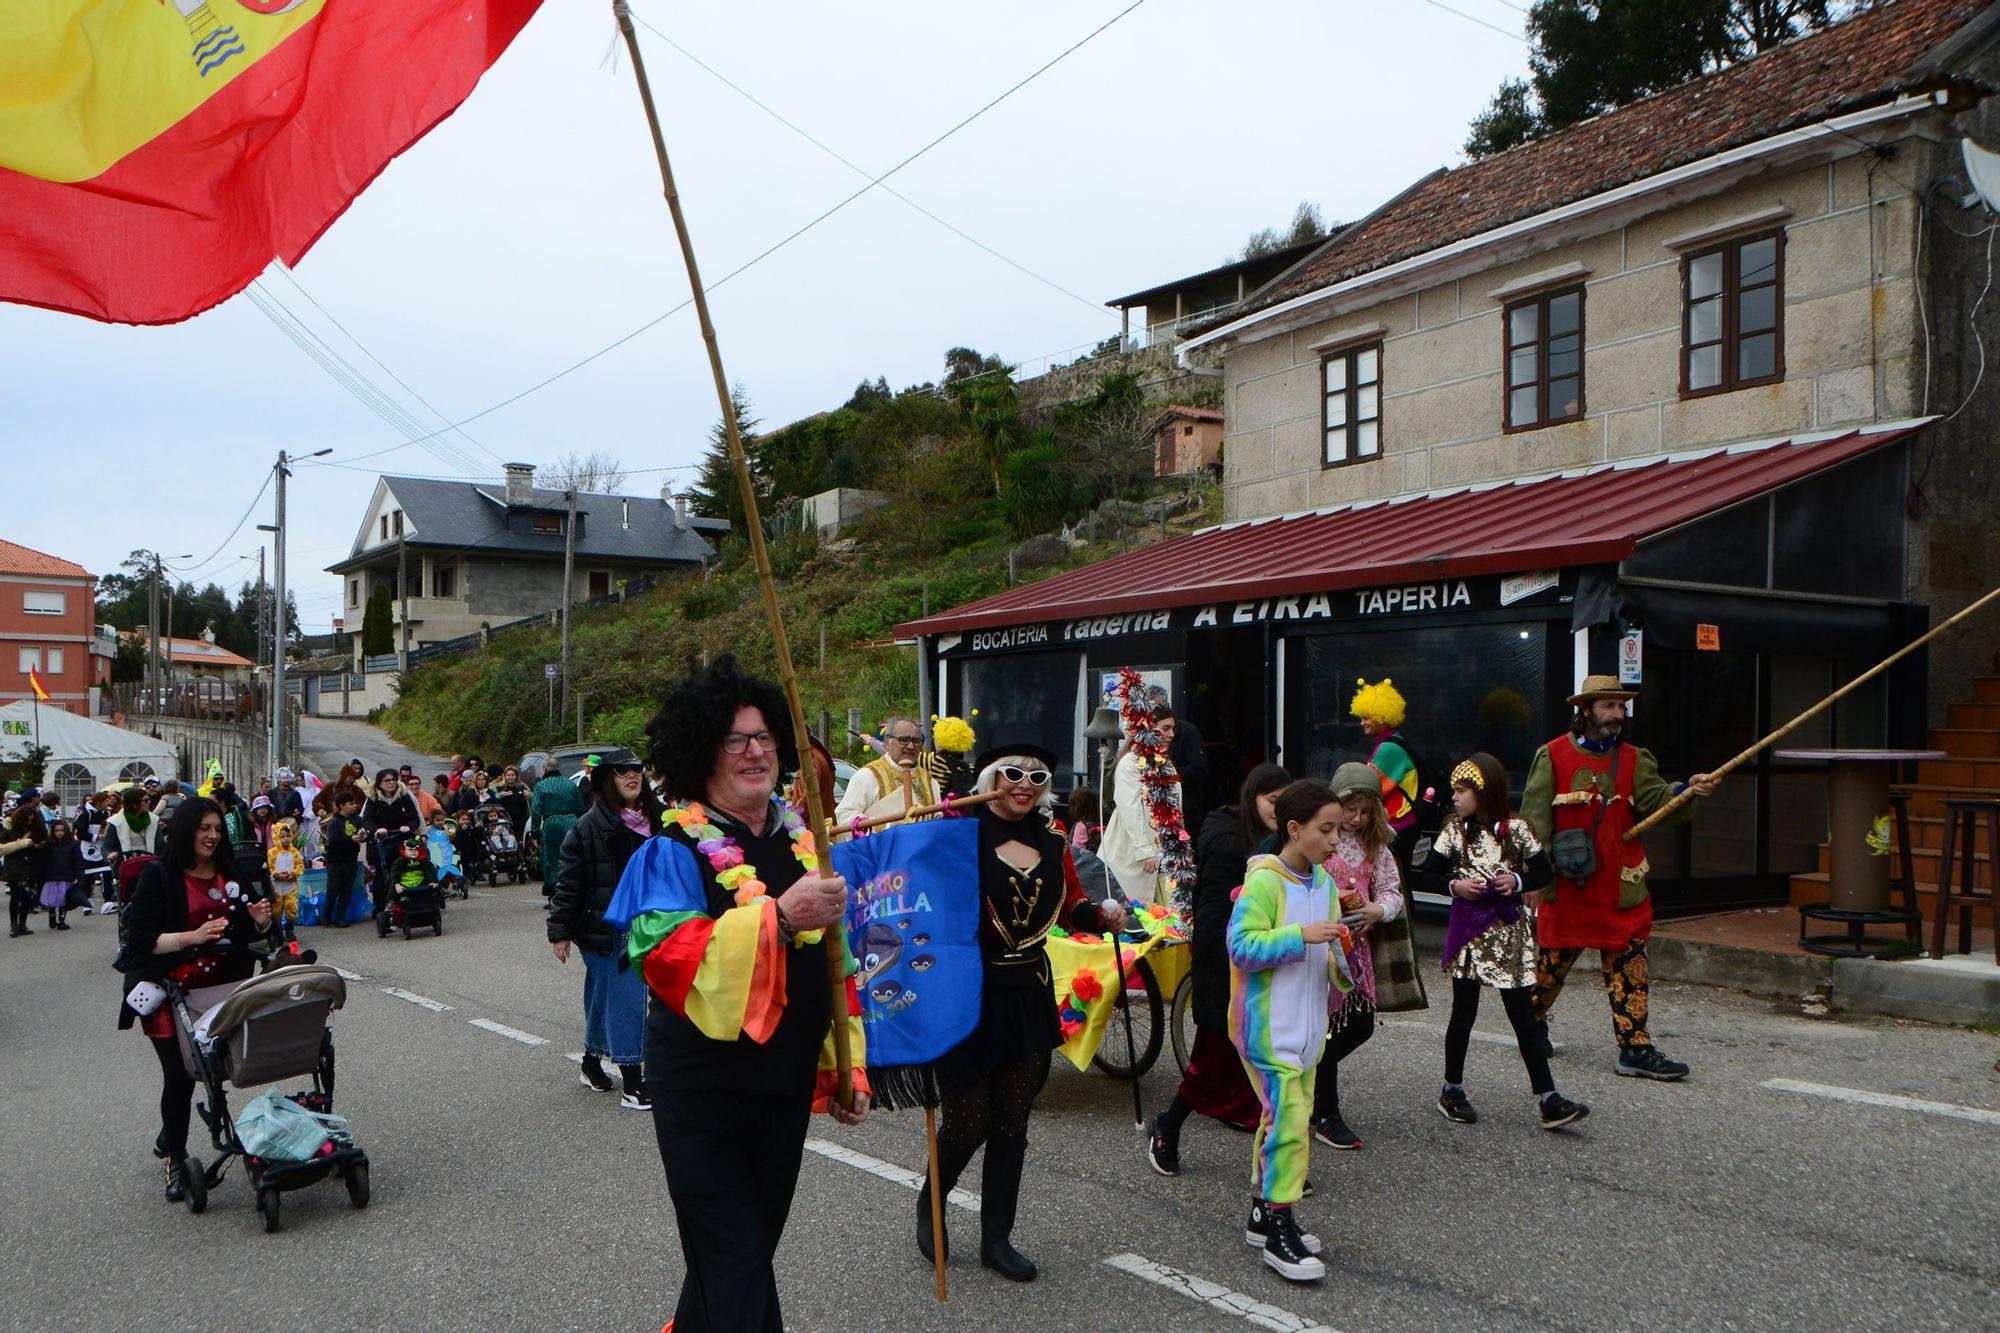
x,y
1813,712
816,805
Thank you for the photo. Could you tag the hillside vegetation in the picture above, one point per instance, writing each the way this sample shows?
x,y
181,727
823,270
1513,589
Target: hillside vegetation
x,y
967,469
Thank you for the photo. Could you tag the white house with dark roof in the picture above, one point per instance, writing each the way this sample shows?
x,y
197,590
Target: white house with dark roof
x,y
473,555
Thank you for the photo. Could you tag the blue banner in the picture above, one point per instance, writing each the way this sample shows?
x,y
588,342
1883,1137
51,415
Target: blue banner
x,y
913,923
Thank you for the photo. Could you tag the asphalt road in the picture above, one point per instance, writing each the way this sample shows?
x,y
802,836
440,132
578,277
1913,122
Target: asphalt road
x,y
506,1197
329,742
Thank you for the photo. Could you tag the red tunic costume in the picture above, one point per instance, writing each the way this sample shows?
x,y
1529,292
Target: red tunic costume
x,y
1568,783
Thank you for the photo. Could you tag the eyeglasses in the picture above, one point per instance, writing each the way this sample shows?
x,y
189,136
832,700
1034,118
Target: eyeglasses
x,y
627,770
906,740
1038,777
736,742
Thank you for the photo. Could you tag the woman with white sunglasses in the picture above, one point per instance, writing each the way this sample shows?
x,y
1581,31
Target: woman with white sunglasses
x,y
1027,886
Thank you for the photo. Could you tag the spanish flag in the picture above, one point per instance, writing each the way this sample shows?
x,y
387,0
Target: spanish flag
x,y
35,684
156,154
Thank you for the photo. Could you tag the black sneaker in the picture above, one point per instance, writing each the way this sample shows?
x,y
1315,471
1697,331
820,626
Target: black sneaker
x,y
592,1075
1307,1192
1456,1107
635,1101
177,1180
1334,1133
1163,1150
1647,1062
1558,1110
1257,1230
1285,1249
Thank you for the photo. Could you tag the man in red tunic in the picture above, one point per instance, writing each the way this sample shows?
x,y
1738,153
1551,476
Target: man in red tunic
x,y
1586,789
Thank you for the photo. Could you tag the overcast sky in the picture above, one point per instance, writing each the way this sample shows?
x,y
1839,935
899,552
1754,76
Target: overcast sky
x,y
528,231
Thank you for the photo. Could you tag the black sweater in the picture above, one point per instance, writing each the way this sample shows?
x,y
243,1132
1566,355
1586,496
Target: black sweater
x,y
1221,853
593,857
158,907
679,1058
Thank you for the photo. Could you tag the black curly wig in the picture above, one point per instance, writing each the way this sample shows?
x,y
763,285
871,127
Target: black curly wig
x,y
698,710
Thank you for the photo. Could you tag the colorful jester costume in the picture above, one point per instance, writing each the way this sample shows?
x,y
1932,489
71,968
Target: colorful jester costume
x,y
703,930
1277,1011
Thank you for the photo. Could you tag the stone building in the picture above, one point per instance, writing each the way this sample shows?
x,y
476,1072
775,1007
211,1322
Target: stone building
x,y
1687,389
459,556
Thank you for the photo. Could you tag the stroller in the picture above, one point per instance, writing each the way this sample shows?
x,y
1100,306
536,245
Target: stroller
x,y
269,1028
415,898
503,850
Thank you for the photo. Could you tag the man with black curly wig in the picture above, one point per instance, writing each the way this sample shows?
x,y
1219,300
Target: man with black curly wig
x,y
726,914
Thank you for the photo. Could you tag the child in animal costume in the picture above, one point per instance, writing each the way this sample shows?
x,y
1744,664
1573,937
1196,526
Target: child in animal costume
x,y
1286,947
287,864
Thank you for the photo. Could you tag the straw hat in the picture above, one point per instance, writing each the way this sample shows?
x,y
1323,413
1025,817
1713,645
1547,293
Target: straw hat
x,y
1602,687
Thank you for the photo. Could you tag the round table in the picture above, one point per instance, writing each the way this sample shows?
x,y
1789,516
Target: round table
x,y
1857,804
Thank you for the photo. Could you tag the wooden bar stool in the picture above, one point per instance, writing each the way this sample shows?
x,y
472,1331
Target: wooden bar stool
x,y
1962,818
1903,877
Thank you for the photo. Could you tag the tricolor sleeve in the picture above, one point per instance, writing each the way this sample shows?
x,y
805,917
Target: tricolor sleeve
x,y
1399,780
725,974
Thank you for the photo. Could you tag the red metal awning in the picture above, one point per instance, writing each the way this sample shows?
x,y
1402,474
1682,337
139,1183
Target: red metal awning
x,y
1586,517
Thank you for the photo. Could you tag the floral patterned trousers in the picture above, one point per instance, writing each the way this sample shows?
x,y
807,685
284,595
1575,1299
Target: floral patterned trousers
x,y
1624,984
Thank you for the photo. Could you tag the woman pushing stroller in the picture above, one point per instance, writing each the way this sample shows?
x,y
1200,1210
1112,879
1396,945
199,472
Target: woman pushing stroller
x,y
188,899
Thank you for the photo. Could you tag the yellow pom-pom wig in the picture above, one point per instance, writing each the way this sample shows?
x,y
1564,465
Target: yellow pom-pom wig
x,y
1380,703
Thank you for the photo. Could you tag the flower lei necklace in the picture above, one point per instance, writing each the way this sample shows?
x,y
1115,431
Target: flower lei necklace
x,y
732,871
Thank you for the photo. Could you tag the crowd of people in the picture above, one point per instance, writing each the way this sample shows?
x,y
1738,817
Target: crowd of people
x,y
697,904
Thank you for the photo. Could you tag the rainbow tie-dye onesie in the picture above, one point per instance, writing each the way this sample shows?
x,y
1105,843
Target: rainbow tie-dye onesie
x,y
1277,1012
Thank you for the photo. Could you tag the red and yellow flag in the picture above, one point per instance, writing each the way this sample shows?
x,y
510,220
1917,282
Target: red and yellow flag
x,y
35,684
156,154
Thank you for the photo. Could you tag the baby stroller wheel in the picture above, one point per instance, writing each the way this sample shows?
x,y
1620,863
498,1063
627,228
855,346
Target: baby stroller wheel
x,y
197,1186
357,1185
382,927
406,931
267,1207
437,926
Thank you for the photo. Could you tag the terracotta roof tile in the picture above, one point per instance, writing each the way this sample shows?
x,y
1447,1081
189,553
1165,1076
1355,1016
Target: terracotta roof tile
x,y
18,559
1860,62
1190,413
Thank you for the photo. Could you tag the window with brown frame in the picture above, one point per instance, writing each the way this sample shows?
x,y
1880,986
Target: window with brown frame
x,y
546,522
1351,381
1544,359
1733,315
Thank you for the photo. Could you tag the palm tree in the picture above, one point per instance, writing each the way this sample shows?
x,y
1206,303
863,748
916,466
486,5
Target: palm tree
x,y
993,421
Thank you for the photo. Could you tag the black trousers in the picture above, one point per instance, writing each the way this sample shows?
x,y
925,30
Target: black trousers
x,y
1518,1003
176,1097
340,877
1358,1028
732,1162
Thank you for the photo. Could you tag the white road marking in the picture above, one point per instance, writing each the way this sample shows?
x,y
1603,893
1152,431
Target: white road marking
x,y
889,1171
346,975
1890,1100
421,1001
1247,1308
1437,1029
512,1034
574,1057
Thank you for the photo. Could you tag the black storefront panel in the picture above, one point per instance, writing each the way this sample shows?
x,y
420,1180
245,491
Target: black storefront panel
x,y
1037,697
1481,686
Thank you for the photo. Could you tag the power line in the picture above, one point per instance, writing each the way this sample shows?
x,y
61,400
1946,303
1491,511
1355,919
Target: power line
x,y
243,518
1469,18
292,278
364,390
770,250
752,98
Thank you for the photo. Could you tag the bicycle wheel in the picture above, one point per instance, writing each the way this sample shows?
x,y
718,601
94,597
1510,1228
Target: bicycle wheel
x,y
1180,1021
1122,1058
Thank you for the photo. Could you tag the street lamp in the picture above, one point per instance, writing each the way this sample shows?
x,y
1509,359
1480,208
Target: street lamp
x,y
1104,728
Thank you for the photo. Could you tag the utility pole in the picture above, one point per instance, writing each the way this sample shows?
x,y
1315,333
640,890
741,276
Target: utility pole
x,y
403,594
569,567
153,634
263,612
278,623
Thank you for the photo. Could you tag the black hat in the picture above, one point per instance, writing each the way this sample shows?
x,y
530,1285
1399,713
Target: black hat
x,y
1025,749
609,759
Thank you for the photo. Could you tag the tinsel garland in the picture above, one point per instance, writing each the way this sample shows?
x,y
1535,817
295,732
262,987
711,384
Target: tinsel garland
x,y
1161,783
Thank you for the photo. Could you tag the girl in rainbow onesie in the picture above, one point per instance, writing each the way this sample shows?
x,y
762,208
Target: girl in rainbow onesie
x,y
1281,963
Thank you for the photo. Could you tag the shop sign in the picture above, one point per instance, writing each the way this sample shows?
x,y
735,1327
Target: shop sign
x,y
1708,638
1631,654
1014,636
1386,603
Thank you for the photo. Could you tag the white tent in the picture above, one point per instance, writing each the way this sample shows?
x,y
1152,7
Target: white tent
x,y
84,756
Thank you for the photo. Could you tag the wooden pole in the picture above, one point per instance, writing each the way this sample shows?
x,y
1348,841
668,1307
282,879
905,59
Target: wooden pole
x,y
922,811
937,1199
1813,712
836,948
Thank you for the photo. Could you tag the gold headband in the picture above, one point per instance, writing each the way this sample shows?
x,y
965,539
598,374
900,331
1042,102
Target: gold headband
x,y
1467,774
